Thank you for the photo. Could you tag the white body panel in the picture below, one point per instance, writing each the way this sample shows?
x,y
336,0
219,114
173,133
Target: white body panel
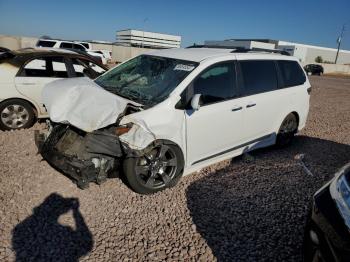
x,y
30,88
213,129
9,90
215,132
82,103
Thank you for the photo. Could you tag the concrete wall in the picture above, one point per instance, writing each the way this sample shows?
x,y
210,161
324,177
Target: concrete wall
x,y
119,53
122,53
16,42
332,68
327,55
98,46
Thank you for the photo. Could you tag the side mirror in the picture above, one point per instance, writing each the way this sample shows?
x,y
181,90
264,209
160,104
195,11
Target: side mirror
x,y
196,102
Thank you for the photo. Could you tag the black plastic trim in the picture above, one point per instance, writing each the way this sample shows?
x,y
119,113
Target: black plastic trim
x,y
232,149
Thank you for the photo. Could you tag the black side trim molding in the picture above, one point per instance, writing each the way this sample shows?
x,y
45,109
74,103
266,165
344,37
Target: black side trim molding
x,y
232,149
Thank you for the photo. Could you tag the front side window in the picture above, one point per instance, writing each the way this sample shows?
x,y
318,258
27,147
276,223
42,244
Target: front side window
x,y
146,79
216,83
84,67
258,76
292,73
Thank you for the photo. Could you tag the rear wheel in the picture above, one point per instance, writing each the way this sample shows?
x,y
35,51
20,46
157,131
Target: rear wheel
x,y
156,170
287,130
16,114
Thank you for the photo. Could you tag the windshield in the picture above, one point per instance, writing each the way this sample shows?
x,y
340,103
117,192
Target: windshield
x,y
146,79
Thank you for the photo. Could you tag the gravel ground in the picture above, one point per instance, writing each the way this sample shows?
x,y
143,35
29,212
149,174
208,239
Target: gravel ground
x,y
240,210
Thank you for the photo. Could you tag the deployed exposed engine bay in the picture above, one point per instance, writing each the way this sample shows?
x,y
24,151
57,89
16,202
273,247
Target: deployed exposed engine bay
x,y
89,130
84,156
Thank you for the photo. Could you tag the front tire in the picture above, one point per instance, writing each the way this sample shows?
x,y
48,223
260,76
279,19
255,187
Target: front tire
x,y
287,130
160,168
16,114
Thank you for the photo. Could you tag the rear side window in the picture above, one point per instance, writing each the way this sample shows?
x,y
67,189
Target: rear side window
x,y
54,67
258,76
36,68
45,43
292,74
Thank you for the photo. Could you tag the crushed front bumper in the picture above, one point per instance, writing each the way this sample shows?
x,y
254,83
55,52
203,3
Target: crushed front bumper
x,y
84,157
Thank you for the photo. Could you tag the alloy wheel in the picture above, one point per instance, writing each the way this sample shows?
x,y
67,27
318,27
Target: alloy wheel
x,y
14,116
157,168
288,126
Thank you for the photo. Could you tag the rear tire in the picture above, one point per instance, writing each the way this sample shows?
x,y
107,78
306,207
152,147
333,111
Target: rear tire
x,y
16,114
287,131
160,168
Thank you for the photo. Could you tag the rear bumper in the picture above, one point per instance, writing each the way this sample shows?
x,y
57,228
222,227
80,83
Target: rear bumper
x,y
94,167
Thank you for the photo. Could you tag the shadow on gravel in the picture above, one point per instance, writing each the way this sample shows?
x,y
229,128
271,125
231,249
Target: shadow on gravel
x,y
40,237
256,211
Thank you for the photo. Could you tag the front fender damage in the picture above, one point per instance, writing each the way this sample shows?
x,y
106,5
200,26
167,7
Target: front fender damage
x,y
92,156
138,137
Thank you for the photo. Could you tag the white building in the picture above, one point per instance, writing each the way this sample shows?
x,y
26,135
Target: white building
x,y
305,53
147,39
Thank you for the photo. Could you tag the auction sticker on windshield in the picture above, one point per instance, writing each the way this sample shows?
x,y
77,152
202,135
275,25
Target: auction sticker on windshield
x,y
183,67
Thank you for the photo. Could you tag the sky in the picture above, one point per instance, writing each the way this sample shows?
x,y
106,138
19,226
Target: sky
x,y
307,22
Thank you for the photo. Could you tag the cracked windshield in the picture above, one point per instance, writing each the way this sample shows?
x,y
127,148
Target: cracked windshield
x,y
146,79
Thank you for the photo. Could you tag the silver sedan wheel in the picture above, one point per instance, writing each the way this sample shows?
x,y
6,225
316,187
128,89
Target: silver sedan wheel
x,y
14,116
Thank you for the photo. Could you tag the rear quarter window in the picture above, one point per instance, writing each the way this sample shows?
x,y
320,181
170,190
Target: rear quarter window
x,y
291,72
46,43
66,45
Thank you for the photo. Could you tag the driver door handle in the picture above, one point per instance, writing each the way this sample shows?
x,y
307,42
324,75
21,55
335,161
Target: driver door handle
x,y
251,105
236,109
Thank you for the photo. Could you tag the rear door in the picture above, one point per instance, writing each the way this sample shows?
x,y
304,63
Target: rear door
x,y
38,72
217,126
262,100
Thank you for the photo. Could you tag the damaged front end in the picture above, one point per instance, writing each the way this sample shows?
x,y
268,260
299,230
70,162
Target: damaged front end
x,y
84,156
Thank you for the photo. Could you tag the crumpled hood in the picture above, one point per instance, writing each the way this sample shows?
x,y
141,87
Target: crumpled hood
x,y
82,103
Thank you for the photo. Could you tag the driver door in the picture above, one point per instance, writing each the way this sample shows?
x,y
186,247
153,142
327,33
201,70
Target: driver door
x,y
216,127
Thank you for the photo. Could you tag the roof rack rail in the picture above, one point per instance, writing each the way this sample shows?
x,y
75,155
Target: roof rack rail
x,y
254,49
242,49
213,46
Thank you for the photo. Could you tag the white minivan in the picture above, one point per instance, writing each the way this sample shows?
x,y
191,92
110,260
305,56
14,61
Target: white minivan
x,y
172,112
